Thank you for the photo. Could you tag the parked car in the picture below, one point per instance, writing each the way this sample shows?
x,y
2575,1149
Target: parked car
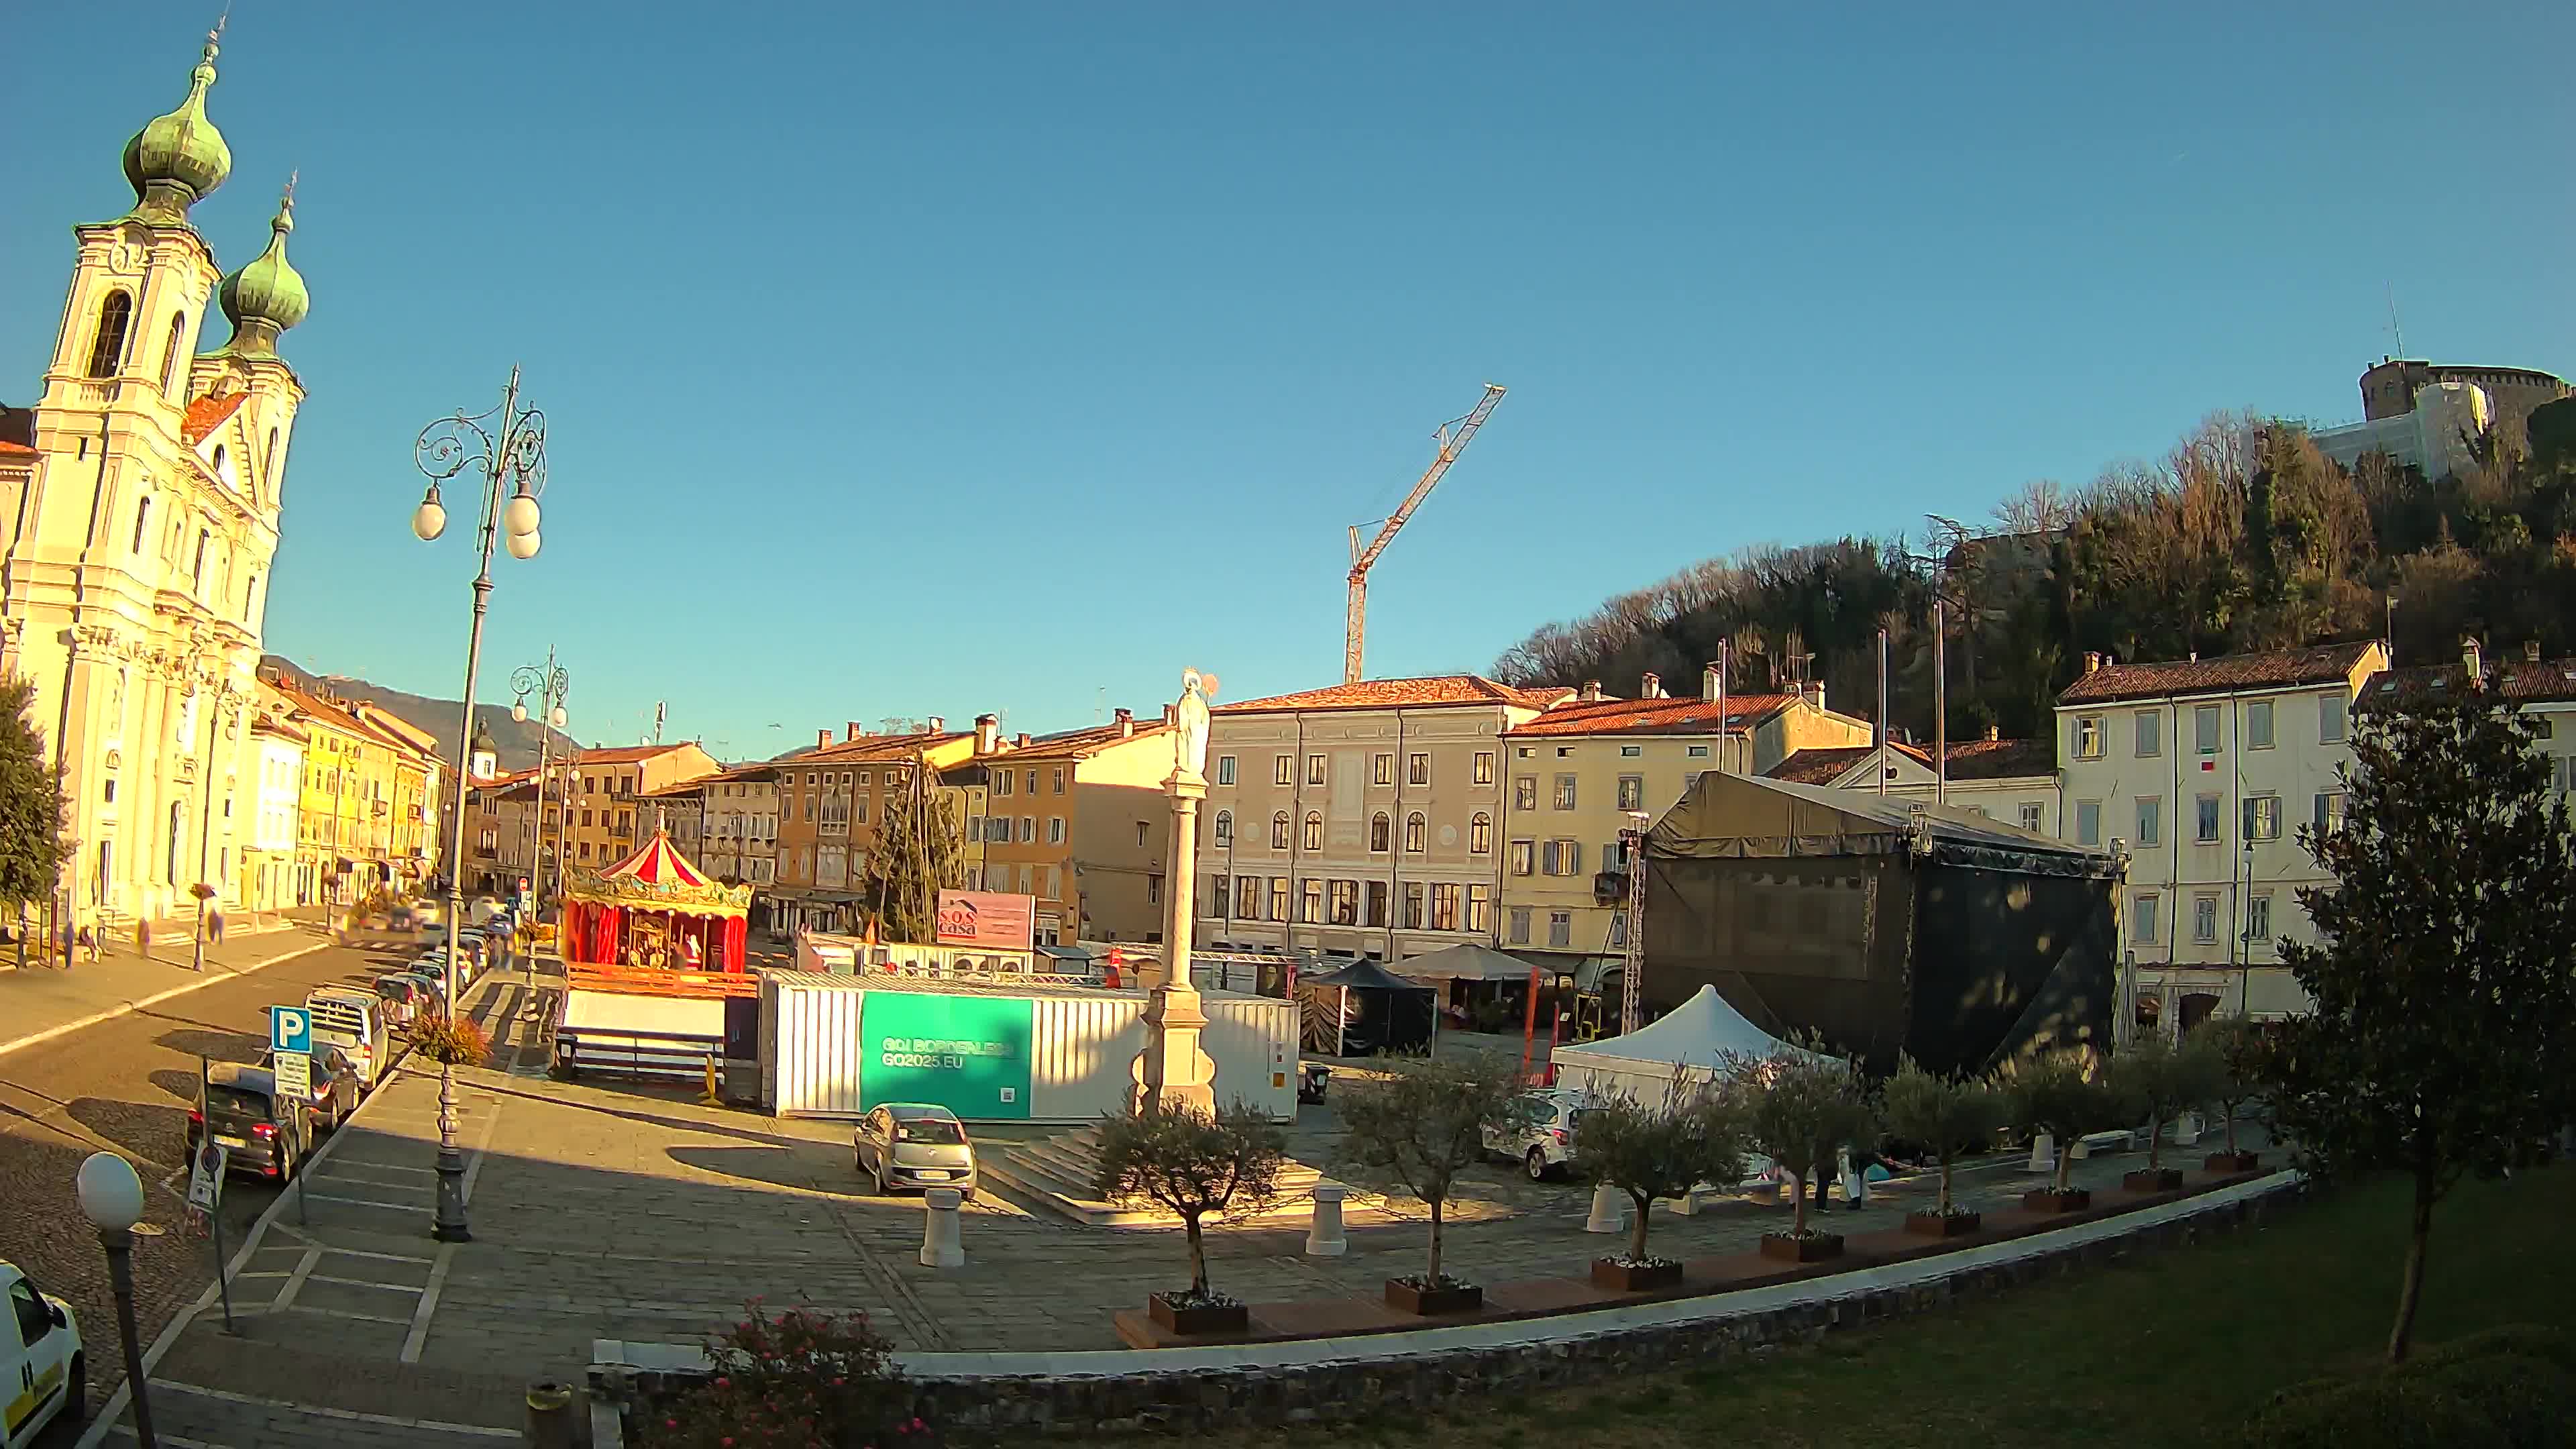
x,y
1545,1143
914,1144
44,1371
405,996
335,1088
266,1137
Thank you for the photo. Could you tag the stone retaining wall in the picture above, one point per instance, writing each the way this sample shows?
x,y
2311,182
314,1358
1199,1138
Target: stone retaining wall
x,y
1206,1391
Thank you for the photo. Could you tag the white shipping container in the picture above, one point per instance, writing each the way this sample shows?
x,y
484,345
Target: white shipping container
x,y
1082,1045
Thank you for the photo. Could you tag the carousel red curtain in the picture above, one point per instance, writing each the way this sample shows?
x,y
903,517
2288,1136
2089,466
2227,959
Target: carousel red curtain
x,y
573,931
604,937
735,928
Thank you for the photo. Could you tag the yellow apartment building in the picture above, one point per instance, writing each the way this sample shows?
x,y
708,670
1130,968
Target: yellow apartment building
x,y
1078,820
607,816
1575,774
1359,820
356,778
830,800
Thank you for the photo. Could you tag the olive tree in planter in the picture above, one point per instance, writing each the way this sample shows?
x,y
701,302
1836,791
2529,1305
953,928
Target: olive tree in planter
x,y
2235,1046
1694,1134
1945,1116
1802,1108
1412,1130
2161,1079
1192,1164
2064,1095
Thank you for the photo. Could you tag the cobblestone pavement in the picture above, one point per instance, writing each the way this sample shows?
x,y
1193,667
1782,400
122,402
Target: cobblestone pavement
x,y
125,1085
606,1211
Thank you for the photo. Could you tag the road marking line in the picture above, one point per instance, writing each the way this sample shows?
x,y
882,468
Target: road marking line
x,y
295,1282
350,1415
379,1257
345,1313
344,1172
129,1008
394,1207
367,1283
428,1306
175,1441
390,1167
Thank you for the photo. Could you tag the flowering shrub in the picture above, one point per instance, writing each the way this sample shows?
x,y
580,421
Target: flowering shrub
x,y
801,1380
451,1040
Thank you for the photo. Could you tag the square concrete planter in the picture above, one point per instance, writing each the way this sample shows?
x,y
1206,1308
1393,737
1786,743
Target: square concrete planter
x,y
1635,1278
1200,1318
2232,1162
2050,1200
2152,1179
1814,1248
1404,1297
1943,1225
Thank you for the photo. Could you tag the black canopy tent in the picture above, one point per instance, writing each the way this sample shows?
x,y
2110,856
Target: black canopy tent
x,y
1885,925
1364,1008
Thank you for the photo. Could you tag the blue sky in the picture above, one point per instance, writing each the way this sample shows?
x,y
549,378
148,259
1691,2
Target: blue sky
x,y
927,360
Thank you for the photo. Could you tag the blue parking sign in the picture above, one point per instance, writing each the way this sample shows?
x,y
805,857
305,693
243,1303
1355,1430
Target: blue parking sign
x,y
290,1029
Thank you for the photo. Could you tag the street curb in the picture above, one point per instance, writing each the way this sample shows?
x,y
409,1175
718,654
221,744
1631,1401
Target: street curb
x,y
129,1008
104,1421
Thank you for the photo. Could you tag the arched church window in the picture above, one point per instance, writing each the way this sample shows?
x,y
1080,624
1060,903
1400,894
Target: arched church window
x,y
250,598
268,465
142,521
171,381
219,462
197,570
107,349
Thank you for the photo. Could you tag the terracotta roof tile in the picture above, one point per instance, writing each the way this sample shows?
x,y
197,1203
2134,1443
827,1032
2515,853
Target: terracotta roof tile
x,y
1430,691
16,450
868,748
207,413
623,754
1076,744
1819,767
2526,681
1685,716
2002,759
2279,669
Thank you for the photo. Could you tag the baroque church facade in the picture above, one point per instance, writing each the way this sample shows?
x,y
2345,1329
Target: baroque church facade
x,y
143,512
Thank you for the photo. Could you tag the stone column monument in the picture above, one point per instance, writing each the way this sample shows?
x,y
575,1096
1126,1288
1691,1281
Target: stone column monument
x,y
1172,1071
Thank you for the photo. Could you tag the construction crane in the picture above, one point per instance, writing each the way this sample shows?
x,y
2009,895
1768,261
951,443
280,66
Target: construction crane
x,y
1452,437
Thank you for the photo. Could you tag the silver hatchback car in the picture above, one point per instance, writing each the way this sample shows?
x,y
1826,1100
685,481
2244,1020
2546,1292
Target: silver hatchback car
x,y
914,1144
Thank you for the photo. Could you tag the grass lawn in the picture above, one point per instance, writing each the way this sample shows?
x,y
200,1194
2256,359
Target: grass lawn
x,y
2174,1348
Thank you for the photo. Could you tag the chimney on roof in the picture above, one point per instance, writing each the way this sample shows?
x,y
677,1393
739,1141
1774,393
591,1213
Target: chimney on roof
x,y
939,724
1651,686
2092,662
1126,724
2471,659
822,738
1993,733
1815,694
1021,741
1171,714
853,730
1591,691
988,733
2531,651
1709,683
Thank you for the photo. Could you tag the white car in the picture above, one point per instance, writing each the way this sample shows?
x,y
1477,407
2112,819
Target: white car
x,y
1545,1143
44,1374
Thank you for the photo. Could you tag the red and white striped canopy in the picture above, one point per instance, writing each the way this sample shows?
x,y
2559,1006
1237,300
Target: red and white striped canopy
x,y
658,863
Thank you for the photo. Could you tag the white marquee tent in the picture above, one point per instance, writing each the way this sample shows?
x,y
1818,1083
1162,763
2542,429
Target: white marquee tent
x,y
1699,1034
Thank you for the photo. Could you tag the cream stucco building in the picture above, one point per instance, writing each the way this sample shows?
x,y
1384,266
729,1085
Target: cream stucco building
x,y
143,516
1361,819
2204,770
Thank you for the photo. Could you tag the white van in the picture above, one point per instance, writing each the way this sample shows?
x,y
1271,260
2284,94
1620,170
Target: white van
x,y
355,1022
43,1372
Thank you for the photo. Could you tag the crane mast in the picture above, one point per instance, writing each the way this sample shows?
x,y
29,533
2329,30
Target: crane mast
x,y
1452,437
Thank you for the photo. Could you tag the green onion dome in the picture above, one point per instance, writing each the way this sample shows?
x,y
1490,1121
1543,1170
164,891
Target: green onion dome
x,y
266,297
176,159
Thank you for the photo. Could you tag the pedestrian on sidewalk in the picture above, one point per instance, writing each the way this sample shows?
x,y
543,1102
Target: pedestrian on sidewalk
x,y
215,923
142,937
89,935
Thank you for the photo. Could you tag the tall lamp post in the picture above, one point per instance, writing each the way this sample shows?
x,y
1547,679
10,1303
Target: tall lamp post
x,y
549,683
111,1197
508,447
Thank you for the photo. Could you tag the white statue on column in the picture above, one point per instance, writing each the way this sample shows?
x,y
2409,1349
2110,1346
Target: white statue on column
x,y
1172,1070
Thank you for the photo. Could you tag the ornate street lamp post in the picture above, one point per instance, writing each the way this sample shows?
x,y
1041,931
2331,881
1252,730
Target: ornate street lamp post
x,y
508,446
111,1197
549,683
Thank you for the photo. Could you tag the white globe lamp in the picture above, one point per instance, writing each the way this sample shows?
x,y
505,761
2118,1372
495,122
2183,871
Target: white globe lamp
x,y
111,1196
523,545
519,515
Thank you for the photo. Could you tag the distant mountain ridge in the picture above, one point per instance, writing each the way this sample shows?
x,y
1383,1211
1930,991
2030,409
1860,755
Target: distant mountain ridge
x,y
513,743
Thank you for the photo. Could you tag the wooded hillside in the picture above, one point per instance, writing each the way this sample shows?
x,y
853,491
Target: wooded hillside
x,y
2243,537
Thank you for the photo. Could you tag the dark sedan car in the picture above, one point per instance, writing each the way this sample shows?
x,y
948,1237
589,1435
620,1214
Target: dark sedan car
x,y
262,1136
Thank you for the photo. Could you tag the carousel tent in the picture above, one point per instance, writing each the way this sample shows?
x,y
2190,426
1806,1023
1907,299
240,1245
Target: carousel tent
x,y
655,908
1700,1036
1364,1008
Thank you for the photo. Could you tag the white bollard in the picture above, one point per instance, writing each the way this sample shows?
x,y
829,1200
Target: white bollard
x,y
1324,1237
2187,1129
1855,1186
940,1247
2043,1153
1608,1211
